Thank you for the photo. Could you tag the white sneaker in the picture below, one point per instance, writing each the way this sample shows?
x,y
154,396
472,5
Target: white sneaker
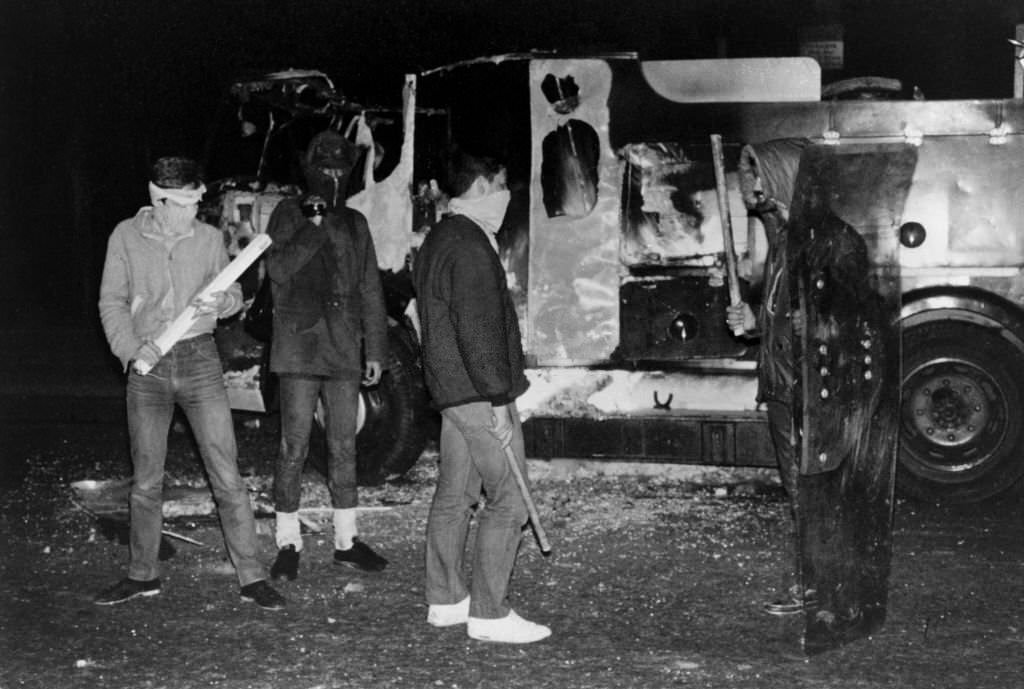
x,y
449,615
511,629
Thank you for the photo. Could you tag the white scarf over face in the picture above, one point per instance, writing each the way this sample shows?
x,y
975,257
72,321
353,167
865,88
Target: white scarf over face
x,y
487,211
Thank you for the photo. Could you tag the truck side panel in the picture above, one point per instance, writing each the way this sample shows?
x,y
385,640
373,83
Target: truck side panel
x,y
572,305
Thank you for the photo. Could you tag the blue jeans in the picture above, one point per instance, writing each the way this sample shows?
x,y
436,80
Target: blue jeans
x,y
472,458
191,376
298,396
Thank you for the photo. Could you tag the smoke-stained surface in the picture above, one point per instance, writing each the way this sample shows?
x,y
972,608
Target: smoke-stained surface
x,y
573,296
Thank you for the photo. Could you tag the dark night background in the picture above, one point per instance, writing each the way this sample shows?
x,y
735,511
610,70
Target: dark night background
x,y
92,90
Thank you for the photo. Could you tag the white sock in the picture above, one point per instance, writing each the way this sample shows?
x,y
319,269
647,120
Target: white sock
x,y
287,530
344,528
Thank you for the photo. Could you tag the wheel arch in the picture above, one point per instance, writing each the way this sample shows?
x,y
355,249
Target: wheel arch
x,y
967,304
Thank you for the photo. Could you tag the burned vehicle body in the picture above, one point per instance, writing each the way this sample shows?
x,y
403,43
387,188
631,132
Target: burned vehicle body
x,y
614,251
630,185
616,256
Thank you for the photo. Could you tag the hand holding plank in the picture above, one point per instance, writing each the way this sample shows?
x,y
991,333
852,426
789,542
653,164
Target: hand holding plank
x,y
187,318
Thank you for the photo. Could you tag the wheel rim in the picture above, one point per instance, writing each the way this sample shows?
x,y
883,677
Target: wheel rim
x,y
361,412
954,416
319,414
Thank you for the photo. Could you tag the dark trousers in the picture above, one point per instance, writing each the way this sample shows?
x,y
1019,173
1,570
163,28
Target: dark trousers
x,y
783,432
299,395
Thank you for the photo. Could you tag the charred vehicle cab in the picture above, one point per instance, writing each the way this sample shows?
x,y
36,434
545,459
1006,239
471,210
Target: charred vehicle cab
x,y
616,256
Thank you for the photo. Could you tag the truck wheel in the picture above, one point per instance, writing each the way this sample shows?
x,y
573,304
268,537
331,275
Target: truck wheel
x,y
961,431
393,414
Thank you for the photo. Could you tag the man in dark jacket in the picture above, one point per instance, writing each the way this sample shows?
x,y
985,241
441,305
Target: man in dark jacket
x,y
769,196
473,361
328,310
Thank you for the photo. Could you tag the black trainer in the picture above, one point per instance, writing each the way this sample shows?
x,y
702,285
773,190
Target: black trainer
x,y
286,565
126,589
360,556
263,594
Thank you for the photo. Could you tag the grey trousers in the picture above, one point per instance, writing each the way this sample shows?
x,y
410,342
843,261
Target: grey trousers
x,y
472,459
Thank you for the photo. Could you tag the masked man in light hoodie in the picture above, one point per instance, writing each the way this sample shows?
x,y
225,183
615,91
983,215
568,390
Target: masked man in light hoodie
x,y
157,262
473,362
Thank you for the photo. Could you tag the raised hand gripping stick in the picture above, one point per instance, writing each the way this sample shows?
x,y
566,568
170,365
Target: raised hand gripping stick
x,y
732,275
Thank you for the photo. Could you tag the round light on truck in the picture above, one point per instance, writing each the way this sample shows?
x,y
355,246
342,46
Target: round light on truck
x,y
912,234
683,327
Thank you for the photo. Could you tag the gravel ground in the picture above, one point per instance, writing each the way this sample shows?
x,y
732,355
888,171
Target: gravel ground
x,y
655,581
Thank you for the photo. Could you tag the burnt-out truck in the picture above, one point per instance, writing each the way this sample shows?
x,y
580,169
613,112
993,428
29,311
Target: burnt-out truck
x,y
617,259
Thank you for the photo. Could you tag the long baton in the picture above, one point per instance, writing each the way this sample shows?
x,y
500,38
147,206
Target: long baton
x,y
732,274
531,508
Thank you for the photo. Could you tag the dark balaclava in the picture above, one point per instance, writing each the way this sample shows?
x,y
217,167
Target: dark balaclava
x,y
327,166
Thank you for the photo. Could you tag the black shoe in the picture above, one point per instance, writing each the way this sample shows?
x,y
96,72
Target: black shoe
x,y
793,603
360,556
126,589
286,565
263,594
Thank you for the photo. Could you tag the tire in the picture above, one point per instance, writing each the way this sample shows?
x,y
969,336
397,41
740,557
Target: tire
x,y
394,415
961,434
394,418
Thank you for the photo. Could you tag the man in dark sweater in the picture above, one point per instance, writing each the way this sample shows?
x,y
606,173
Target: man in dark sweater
x,y
328,313
473,361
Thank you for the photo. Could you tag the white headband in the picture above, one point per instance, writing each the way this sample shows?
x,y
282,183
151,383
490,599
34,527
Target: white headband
x,y
184,197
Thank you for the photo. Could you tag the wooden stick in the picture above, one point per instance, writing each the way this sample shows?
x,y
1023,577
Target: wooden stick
x,y
531,508
180,537
732,275
165,532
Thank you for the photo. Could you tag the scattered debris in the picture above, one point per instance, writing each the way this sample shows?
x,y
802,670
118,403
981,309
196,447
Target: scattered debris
x,y
180,537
